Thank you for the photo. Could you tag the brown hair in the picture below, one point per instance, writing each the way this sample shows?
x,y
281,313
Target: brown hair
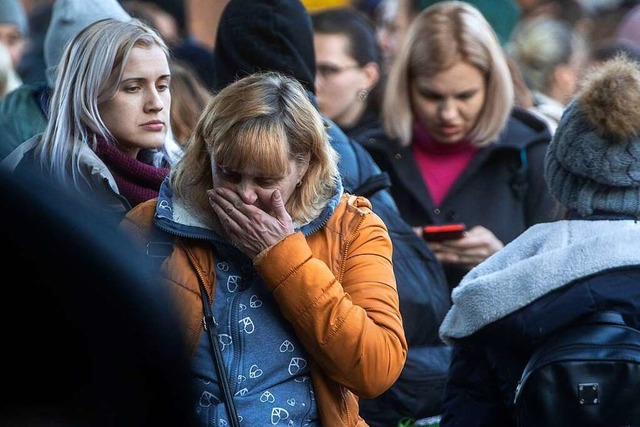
x,y
264,118
189,97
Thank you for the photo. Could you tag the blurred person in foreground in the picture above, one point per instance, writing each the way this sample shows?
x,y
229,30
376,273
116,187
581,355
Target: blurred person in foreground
x,y
558,272
109,118
89,339
297,273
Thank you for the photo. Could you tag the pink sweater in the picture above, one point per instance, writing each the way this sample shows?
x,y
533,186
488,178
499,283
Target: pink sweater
x,y
440,164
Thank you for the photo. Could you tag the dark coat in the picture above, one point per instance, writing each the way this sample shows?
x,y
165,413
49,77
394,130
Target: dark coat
x,y
487,365
285,34
502,189
369,124
107,340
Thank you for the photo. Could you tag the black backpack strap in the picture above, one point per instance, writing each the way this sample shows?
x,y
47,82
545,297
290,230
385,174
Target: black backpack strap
x,y
159,247
606,316
373,184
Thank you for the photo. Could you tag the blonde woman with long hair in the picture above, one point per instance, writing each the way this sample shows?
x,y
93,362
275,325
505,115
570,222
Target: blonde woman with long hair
x,y
456,148
109,118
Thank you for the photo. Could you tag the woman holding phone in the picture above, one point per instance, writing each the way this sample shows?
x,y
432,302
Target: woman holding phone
x,y
456,148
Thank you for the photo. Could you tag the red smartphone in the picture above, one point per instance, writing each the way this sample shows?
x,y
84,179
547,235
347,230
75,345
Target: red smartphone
x,y
438,233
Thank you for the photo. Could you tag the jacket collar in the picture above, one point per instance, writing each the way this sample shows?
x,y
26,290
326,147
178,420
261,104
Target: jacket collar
x,y
174,216
544,258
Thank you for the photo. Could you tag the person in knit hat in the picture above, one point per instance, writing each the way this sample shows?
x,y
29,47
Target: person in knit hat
x,y
68,18
558,272
109,118
14,29
24,111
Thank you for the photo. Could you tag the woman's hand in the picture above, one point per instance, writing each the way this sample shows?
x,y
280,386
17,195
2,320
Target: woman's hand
x,y
477,245
248,227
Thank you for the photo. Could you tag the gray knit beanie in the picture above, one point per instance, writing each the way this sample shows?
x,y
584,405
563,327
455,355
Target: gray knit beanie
x,y
68,18
12,12
593,161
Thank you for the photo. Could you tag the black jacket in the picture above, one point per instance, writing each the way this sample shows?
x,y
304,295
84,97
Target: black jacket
x,y
491,361
277,35
552,275
502,189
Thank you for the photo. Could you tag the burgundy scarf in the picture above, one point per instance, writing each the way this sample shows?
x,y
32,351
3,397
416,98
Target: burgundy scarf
x,y
137,181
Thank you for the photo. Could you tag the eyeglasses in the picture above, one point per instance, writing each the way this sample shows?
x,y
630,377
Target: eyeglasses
x,y
329,70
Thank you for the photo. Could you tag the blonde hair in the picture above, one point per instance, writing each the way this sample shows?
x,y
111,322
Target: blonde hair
x,y
264,118
539,45
89,74
439,37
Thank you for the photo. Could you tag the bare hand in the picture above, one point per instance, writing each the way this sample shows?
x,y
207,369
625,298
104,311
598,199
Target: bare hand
x,y
248,227
478,244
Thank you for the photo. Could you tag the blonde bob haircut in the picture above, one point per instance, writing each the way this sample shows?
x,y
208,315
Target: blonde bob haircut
x,y
266,119
438,38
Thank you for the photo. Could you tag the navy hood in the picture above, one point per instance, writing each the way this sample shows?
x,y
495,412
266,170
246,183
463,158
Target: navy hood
x,y
264,35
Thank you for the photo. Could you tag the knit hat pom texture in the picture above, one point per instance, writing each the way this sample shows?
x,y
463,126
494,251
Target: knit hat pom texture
x,y
593,161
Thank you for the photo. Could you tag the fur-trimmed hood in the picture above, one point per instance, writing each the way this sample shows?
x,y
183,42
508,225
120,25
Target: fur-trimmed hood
x,y
544,258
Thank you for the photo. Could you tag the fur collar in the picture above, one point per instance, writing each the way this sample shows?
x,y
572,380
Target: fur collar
x,y
545,257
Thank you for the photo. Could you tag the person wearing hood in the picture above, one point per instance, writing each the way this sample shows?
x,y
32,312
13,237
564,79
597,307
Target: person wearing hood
x,y
277,35
14,29
292,276
109,118
558,272
25,111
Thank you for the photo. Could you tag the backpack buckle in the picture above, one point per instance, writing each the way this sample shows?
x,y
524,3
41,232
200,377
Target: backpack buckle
x,y
589,393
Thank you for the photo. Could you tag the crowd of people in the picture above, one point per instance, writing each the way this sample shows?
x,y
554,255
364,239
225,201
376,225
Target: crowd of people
x,y
271,184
